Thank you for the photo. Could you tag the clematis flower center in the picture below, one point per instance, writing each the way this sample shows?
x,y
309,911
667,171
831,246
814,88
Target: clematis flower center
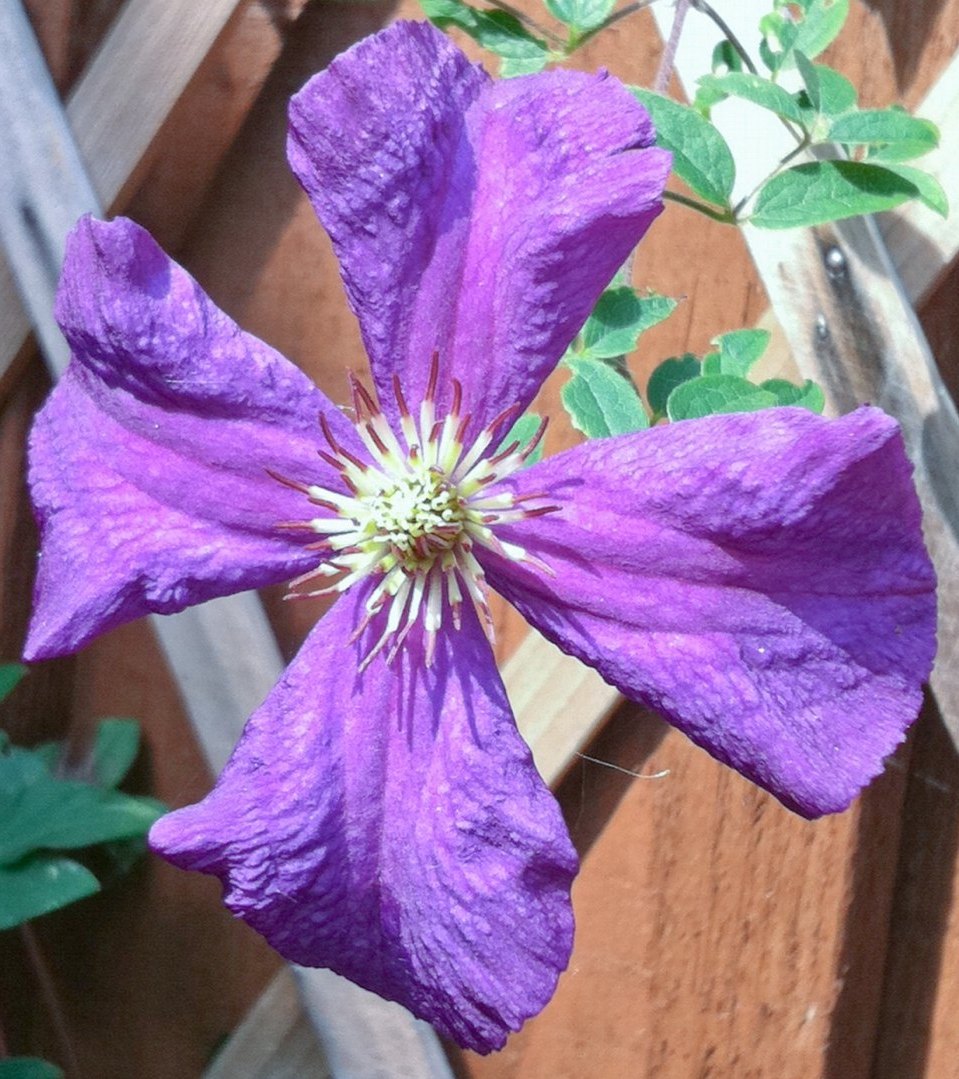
x,y
415,514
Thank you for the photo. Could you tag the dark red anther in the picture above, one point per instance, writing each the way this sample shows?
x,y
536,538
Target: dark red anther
x,y
434,376
400,399
295,484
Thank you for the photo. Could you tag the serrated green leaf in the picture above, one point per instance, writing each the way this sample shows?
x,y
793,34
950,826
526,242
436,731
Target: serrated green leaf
x,y
600,402
52,814
29,1068
581,14
899,136
810,77
710,395
115,748
930,191
40,884
667,376
523,431
821,191
10,675
701,157
819,24
498,31
739,350
618,320
808,395
754,88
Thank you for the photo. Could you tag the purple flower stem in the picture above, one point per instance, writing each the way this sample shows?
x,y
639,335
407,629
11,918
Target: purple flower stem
x,y
51,999
669,53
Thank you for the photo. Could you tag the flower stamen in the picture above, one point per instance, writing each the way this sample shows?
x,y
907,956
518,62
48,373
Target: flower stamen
x,y
413,516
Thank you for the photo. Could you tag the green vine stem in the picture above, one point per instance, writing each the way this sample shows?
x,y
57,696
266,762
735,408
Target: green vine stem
x,y
727,217
51,1000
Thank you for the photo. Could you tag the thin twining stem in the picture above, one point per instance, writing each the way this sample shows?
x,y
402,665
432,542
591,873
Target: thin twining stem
x,y
782,163
48,991
530,23
727,217
711,13
616,17
672,44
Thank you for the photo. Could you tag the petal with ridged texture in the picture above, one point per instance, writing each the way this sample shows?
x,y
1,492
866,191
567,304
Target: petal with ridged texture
x,y
148,462
475,218
759,579
391,825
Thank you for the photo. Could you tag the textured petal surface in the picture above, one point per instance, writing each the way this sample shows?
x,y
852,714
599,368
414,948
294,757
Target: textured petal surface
x,y
391,826
759,579
478,219
148,462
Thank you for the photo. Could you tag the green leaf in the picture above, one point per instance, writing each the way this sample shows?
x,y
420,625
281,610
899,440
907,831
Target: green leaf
x,y
821,191
754,88
808,395
899,136
51,813
712,364
522,432
713,394
619,318
739,351
819,25
810,78
701,157
929,189
511,66
581,14
836,93
29,1068
498,31
115,749
667,376
40,884
10,675
725,59
601,402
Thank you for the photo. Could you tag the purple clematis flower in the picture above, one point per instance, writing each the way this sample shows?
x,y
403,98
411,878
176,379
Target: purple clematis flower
x,y
759,579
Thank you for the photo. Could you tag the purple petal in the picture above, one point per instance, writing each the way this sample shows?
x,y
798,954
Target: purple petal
x,y
479,219
759,579
148,462
391,826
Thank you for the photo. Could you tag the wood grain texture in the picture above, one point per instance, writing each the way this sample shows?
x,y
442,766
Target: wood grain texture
x,y
718,935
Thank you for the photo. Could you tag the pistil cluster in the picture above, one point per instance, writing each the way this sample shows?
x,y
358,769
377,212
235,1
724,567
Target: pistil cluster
x,y
415,513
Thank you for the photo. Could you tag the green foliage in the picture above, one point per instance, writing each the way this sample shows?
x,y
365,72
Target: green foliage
x,y
600,401
712,394
44,812
581,15
28,1068
738,352
928,188
890,134
503,34
682,388
523,431
619,318
754,88
806,26
701,158
822,191
10,675
667,376
40,884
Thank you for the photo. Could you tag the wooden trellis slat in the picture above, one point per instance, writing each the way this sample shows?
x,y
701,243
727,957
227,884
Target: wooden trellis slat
x,y
113,116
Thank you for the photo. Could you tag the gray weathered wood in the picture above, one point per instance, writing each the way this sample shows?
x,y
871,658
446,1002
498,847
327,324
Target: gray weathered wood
x,y
114,112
